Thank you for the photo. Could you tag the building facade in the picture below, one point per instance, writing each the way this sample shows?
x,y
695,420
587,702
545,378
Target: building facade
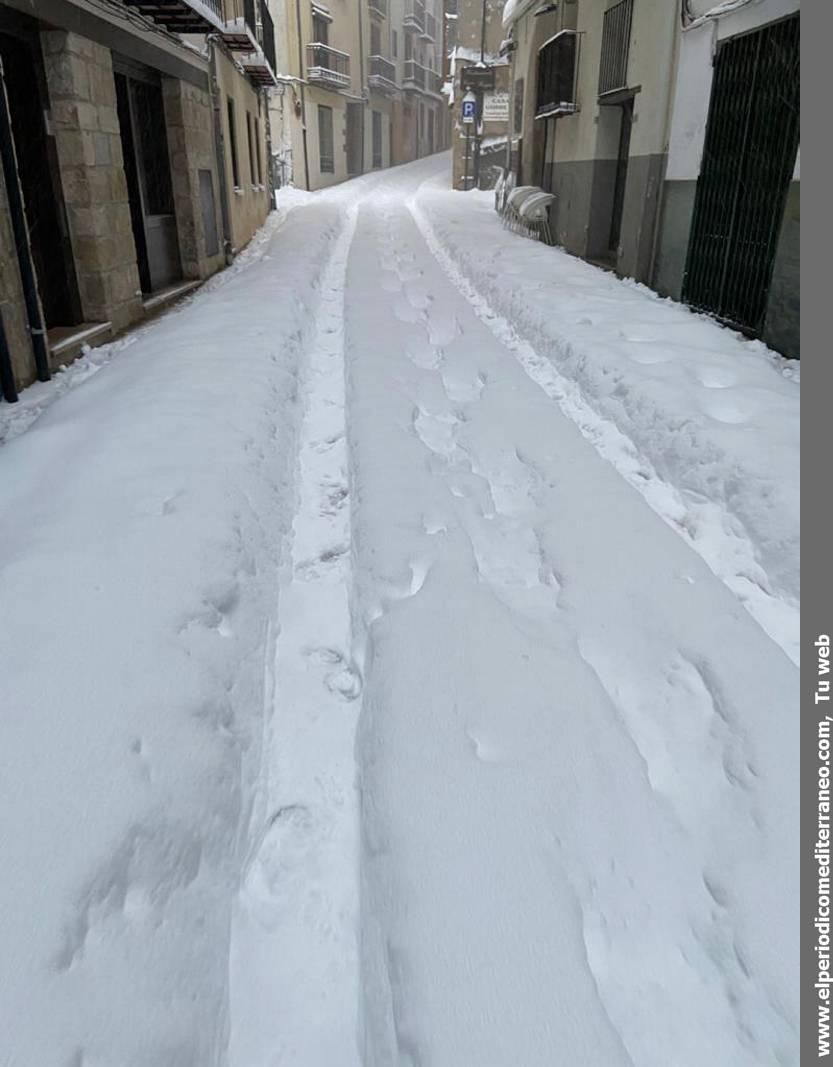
x,y
135,162
728,239
362,88
668,133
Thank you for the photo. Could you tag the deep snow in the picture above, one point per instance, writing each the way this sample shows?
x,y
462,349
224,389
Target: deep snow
x,y
364,488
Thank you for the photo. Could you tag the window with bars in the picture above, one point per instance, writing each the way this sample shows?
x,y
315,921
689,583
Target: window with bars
x,y
251,140
616,37
326,154
232,137
557,75
377,138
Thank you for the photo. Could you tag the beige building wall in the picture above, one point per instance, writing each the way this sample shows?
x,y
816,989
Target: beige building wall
x,y
248,195
575,155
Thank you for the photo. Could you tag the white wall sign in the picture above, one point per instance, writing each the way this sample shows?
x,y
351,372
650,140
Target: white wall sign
x,y
496,107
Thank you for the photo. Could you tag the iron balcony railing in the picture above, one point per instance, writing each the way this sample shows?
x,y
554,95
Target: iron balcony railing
x,y
328,66
616,37
413,75
433,82
266,36
378,8
383,74
414,18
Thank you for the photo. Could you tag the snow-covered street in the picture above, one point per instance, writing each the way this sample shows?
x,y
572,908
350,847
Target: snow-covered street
x,y
400,649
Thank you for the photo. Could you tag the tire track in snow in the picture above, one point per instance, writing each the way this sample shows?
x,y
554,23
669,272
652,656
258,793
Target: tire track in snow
x,y
294,970
743,575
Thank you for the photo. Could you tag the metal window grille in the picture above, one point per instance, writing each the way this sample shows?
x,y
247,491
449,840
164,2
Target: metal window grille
x,y
557,71
616,36
748,159
326,156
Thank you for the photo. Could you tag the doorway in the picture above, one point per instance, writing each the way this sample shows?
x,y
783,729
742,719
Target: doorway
x,y
149,185
39,176
620,181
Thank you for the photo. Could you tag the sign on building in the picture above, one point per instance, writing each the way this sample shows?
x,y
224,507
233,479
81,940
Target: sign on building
x,y
496,107
478,78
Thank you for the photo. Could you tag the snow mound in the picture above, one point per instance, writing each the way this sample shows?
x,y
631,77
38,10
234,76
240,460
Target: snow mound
x,y
713,415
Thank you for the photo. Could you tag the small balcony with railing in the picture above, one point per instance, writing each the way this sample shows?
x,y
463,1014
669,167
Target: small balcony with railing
x,y
250,33
413,77
183,16
328,66
382,76
433,82
414,18
378,9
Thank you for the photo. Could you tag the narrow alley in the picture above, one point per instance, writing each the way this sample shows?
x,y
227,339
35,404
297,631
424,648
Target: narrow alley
x,y
399,675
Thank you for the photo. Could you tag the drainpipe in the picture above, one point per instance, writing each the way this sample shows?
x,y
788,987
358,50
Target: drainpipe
x,y
17,211
303,97
7,386
219,149
361,82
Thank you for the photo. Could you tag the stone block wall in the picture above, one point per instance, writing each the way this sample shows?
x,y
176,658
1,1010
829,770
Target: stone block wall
x,y
85,123
189,118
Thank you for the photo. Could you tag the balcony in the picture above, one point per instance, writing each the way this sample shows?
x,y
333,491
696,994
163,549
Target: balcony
x,y
414,18
616,37
183,16
378,9
413,77
429,32
328,67
433,83
383,76
249,31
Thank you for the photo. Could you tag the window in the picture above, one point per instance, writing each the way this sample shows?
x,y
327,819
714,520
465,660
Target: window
x,y
409,48
394,44
557,63
250,136
326,160
616,35
377,138
431,130
258,158
232,137
320,30
375,40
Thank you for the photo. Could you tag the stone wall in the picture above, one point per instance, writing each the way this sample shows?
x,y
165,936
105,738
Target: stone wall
x,y
85,123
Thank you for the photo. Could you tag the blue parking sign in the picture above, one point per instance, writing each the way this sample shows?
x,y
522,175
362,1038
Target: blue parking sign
x,y
469,107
